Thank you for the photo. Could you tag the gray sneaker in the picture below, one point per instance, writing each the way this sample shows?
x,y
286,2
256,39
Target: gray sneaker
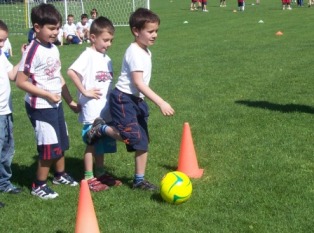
x,y
95,132
64,179
144,185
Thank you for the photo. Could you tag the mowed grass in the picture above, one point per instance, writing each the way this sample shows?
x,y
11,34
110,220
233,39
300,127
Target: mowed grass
x,y
248,97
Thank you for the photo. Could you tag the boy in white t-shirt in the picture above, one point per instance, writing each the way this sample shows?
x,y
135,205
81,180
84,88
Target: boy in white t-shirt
x,y
127,105
92,75
93,14
40,77
69,31
82,28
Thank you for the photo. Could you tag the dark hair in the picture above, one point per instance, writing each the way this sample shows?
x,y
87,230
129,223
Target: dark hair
x,y
3,26
100,24
94,10
84,16
141,16
70,15
45,14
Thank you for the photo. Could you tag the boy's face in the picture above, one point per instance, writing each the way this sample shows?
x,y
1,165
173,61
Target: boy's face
x,y
146,36
84,21
3,37
47,33
70,20
94,15
102,42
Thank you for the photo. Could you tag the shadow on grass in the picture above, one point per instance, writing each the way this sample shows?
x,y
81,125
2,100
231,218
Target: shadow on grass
x,y
24,175
285,108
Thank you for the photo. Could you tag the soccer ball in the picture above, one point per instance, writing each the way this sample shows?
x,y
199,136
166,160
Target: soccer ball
x,y
175,187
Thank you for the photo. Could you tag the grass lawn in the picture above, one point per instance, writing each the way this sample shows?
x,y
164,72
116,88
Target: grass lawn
x,y
248,97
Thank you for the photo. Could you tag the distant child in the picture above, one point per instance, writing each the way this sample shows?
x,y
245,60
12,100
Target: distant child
x,y
92,75
82,28
241,5
286,4
7,48
127,105
204,6
223,3
93,14
70,33
193,5
7,74
40,76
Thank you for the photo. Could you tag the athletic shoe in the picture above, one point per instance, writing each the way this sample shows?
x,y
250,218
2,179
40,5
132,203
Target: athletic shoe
x,y
12,190
144,185
96,186
64,179
44,192
95,132
109,180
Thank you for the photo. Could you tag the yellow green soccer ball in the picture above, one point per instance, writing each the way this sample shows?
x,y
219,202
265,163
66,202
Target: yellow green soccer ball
x,y
175,187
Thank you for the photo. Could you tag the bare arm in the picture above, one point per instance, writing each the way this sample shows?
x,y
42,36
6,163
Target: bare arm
x,y
13,73
93,93
165,108
68,98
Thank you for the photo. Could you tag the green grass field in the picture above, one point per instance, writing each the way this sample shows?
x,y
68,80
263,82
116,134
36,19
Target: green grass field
x,y
248,97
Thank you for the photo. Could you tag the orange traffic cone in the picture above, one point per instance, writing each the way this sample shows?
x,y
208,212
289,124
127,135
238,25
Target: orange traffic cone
x,y
279,33
187,157
86,221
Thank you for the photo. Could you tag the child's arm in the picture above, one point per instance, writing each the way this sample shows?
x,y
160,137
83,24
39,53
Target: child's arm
x,y
165,108
13,73
68,98
93,93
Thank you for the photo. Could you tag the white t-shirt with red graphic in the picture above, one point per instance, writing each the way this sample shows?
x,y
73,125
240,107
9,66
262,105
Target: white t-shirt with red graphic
x,y
95,71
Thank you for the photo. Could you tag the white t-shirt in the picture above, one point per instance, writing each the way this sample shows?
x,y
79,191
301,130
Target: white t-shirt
x,y
90,21
80,27
5,88
7,46
42,64
95,71
69,29
135,59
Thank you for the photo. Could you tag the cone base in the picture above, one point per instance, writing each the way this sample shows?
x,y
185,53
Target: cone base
x,y
192,174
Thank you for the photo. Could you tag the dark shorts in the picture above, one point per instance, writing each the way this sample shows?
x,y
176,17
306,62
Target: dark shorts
x,y
50,131
130,114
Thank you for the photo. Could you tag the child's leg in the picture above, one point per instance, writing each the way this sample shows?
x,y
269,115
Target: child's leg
x,y
140,167
88,162
6,154
103,146
60,176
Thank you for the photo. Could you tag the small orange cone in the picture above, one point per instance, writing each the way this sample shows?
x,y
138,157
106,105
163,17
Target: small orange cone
x,y
279,33
86,221
187,157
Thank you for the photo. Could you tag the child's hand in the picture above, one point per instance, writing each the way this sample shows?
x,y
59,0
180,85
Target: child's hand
x,y
54,98
23,48
75,107
166,109
93,93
